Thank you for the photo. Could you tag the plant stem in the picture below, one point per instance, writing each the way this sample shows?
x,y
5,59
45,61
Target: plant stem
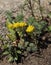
x,y
29,1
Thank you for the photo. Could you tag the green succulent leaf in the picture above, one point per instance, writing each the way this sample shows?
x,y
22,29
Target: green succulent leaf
x,y
19,45
34,48
31,44
19,52
19,17
9,15
49,15
16,58
28,49
5,46
11,35
31,20
5,53
49,28
26,44
11,59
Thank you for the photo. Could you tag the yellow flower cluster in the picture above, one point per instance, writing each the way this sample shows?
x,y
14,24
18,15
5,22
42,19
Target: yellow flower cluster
x,y
22,24
9,25
17,25
30,28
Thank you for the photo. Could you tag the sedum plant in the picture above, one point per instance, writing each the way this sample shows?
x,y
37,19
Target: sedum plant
x,y
24,36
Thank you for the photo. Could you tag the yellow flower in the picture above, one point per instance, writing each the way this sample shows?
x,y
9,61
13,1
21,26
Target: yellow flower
x,y
16,25
9,25
30,28
22,24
